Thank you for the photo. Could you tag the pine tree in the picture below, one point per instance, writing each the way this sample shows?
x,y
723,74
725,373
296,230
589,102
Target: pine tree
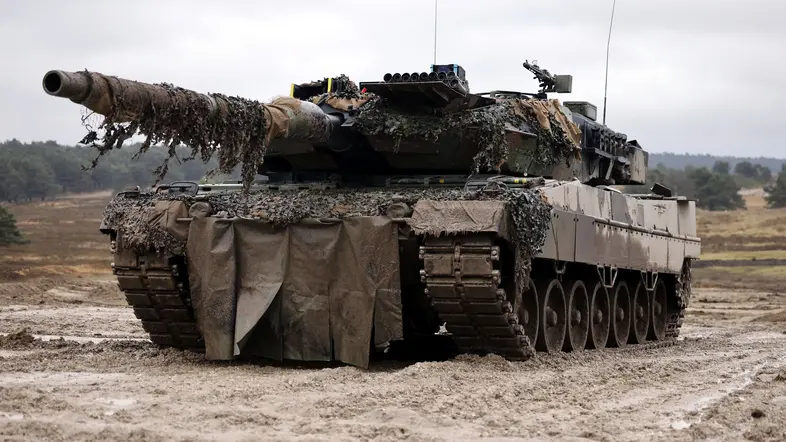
x,y
9,234
777,191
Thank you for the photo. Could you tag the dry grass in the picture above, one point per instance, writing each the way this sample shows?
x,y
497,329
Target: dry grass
x,y
64,239
774,252
756,224
743,235
763,278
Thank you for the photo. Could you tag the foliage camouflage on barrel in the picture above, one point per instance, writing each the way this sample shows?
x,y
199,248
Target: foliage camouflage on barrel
x,y
237,135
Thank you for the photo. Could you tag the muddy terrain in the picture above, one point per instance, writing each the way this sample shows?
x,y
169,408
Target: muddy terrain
x,y
103,380
76,365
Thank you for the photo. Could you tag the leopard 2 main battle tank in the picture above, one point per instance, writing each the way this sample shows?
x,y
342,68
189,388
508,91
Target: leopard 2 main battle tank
x,y
391,211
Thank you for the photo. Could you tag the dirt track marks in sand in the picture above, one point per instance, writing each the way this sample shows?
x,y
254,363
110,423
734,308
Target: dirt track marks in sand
x,y
133,390
730,366
97,322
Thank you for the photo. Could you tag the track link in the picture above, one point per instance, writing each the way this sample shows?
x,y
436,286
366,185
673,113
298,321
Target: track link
x,y
156,287
674,323
675,319
463,278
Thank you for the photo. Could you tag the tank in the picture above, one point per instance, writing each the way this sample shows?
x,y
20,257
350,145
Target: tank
x,y
385,216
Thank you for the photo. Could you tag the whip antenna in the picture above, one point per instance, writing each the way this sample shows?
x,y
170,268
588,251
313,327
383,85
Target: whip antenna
x,y
435,31
608,46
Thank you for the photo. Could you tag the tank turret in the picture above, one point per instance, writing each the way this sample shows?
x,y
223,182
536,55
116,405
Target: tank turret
x,y
420,123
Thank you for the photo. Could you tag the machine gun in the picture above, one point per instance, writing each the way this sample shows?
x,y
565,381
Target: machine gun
x,y
561,84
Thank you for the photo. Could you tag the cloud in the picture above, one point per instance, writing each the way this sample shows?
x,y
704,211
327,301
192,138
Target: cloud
x,y
700,76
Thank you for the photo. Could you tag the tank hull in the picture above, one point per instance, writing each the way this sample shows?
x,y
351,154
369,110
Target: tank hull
x,y
611,270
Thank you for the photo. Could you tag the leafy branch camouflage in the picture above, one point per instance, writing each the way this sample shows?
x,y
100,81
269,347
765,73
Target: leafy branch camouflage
x,y
236,131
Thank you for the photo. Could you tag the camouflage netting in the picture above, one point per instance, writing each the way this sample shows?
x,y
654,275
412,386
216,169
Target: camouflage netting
x,y
347,98
130,215
346,87
557,139
239,128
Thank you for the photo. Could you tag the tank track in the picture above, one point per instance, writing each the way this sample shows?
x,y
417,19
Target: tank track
x,y
462,276
157,289
674,323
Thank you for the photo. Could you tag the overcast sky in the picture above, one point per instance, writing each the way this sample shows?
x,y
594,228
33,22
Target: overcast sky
x,y
698,76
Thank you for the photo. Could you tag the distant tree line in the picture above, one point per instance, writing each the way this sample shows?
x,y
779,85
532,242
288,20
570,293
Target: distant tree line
x,y
42,170
683,160
756,172
37,171
716,187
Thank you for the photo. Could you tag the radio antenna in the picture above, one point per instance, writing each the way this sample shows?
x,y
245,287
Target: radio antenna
x,y
435,31
608,46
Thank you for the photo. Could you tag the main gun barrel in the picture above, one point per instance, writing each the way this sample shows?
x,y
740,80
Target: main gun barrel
x,y
129,100
100,93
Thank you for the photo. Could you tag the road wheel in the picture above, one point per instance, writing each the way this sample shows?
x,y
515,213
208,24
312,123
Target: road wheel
x,y
578,316
640,315
620,320
553,314
659,315
600,317
527,312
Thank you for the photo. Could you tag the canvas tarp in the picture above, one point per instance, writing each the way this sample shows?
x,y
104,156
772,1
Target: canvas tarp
x,y
455,217
164,216
544,108
310,291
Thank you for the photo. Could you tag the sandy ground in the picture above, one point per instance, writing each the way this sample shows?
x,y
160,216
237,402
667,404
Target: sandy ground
x,y
726,380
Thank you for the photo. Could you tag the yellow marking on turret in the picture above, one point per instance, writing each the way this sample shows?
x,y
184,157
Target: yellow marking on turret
x,y
330,84
441,181
292,90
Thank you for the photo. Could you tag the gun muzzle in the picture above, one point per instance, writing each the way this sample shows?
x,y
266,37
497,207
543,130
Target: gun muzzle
x,y
98,93
65,85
